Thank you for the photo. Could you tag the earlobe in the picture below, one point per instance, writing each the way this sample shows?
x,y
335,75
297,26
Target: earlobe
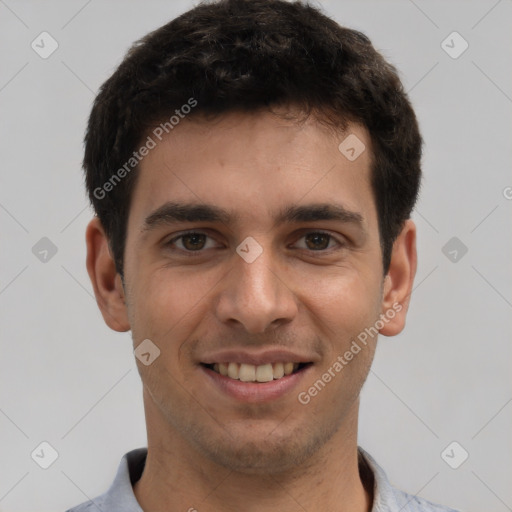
x,y
399,281
107,284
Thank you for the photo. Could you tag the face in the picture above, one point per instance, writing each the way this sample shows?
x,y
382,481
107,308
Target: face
x,y
253,263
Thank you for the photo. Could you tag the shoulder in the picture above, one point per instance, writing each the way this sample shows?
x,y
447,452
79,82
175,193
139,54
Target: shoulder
x,y
91,505
387,498
88,506
410,503
120,496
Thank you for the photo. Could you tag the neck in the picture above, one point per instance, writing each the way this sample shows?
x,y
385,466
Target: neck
x,y
177,477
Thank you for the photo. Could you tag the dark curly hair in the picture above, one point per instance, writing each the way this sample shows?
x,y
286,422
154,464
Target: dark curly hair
x,y
248,55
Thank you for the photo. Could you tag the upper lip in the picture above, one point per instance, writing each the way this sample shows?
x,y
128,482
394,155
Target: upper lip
x,y
265,356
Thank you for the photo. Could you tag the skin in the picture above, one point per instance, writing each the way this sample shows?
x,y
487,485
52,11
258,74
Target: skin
x,y
207,450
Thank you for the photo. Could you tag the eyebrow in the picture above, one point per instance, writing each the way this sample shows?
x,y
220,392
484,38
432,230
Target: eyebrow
x,y
172,212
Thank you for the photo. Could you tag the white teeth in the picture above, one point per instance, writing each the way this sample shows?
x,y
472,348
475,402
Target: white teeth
x,y
288,368
223,369
278,370
233,370
264,373
252,373
247,373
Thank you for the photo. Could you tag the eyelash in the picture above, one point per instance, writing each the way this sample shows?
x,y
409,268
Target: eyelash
x,y
190,253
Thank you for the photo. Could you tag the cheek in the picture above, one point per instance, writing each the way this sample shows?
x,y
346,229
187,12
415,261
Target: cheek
x,y
167,304
343,303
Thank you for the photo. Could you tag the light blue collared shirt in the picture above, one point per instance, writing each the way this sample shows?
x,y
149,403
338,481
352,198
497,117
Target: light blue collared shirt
x,y
120,496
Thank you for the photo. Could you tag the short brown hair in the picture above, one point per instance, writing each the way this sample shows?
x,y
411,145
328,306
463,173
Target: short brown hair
x,y
248,55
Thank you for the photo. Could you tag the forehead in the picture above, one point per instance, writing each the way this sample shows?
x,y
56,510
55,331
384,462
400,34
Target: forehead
x,y
252,165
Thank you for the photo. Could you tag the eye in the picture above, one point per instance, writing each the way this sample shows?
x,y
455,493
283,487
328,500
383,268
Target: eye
x,y
197,242
192,241
319,241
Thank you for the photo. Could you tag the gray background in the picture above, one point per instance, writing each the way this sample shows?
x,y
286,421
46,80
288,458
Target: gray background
x,y
68,380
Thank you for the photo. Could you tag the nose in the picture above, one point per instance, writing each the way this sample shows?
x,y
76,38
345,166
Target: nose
x,y
256,296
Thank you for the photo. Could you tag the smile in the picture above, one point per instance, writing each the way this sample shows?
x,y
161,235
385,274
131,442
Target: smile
x,y
256,373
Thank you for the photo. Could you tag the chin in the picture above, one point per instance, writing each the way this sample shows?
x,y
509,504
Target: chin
x,y
270,453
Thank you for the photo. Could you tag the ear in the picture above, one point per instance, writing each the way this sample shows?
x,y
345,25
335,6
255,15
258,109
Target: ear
x,y
399,281
106,281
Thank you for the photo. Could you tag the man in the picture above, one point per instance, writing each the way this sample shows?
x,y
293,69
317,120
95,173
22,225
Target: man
x,y
253,167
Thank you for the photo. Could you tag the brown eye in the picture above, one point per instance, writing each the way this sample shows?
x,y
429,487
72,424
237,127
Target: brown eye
x,y
317,241
193,241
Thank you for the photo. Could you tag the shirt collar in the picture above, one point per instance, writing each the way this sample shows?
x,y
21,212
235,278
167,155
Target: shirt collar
x,y
121,498
384,495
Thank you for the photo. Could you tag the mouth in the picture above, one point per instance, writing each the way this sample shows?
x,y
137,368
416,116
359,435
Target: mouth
x,y
262,373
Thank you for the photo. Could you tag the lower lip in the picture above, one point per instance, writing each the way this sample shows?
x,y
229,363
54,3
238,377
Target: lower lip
x,y
256,392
